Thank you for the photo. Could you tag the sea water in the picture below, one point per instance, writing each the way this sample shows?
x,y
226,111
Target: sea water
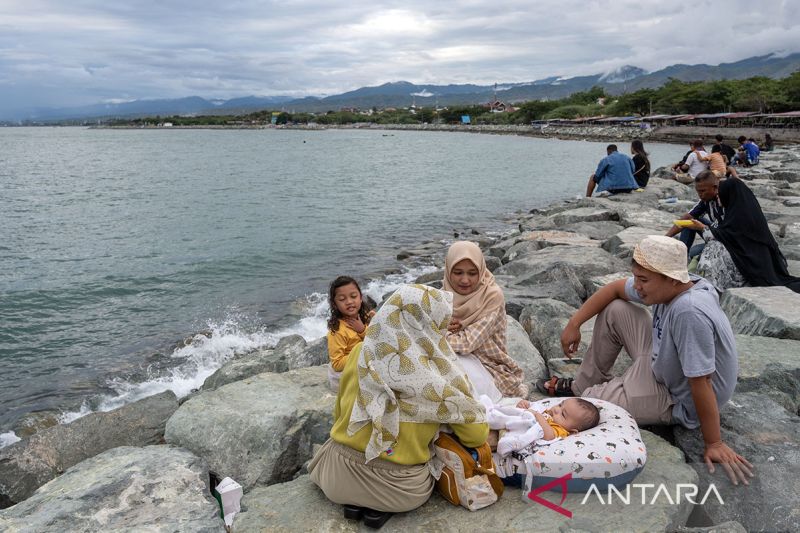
x,y
138,261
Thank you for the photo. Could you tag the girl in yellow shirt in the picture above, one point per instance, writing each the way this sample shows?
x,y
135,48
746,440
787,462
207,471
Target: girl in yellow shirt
x,y
349,318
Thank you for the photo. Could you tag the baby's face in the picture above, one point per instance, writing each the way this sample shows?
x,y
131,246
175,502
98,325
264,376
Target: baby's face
x,y
568,414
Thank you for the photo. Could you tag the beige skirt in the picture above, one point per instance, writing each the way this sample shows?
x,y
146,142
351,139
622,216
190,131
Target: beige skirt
x,y
344,476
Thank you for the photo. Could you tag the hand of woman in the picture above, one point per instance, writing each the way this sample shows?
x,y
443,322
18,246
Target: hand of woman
x,y
454,325
355,323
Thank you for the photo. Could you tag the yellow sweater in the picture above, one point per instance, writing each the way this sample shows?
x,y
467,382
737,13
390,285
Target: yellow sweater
x,y
412,440
340,343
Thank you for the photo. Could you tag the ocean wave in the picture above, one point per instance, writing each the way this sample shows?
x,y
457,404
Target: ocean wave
x,y
8,438
206,352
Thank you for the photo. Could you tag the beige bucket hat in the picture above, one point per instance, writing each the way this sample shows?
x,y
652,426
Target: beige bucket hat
x,y
664,255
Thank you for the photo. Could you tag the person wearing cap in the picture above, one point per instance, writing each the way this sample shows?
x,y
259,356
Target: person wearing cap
x,y
684,357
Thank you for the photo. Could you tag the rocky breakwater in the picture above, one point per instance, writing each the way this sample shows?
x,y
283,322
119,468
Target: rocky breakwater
x,y
259,418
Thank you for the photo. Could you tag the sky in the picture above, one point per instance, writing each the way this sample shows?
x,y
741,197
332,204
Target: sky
x,y
62,53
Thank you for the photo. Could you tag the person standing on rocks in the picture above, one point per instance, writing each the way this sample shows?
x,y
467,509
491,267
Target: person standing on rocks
x,y
396,389
684,358
614,174
477,332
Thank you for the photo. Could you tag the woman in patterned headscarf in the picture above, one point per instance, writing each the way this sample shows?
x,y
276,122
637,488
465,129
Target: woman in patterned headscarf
x,y
398,386
477,332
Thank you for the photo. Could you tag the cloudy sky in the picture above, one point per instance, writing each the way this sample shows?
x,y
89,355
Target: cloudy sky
x,y
71,52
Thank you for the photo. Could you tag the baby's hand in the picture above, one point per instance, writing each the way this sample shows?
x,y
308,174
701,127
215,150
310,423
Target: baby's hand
x,y
523,404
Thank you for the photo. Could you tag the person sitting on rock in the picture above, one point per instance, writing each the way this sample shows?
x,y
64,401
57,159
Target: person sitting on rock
x,y
397,388
349,317
614,174
709,210
748,153
693,165
741,250
641,163
726,149
684,357
477,332
717,163
769,143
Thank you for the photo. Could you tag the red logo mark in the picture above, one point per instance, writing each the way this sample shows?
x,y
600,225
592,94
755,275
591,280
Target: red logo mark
x,y
562,481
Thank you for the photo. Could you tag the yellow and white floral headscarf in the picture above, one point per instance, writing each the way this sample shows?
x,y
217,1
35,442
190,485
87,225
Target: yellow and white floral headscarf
x,y
407,371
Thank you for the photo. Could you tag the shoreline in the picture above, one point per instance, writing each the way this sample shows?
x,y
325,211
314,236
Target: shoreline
x,y
666,134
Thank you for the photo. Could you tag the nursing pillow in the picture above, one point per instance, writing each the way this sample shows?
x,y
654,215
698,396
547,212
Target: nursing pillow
x,y
611,453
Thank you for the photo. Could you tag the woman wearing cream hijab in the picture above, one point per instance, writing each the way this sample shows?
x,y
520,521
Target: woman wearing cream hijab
x,y
477,332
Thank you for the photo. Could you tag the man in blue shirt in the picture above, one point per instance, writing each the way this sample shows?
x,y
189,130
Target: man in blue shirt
x,y
748,152
614,173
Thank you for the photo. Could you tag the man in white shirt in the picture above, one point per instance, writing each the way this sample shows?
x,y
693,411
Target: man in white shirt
x,y
693,165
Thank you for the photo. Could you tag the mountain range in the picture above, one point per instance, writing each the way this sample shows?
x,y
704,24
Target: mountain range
x,y
403,93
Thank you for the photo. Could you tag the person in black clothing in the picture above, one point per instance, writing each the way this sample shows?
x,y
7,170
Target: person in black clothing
x,y
769,143
708,210
726,149
745,234
641,163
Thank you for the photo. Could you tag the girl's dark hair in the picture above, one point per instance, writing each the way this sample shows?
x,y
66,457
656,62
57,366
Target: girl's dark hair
x,y
638,147
363,312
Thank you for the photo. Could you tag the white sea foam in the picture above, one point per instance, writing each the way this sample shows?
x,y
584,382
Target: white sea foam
x,y
203,355
8,438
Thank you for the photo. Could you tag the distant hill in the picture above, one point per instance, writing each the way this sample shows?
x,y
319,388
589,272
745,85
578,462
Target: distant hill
x,y
403,94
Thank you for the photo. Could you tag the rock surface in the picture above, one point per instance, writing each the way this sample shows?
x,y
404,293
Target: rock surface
x,y
772,500
763,311
290,353
279,507
772,367
259,430
155,488
525,353
30,463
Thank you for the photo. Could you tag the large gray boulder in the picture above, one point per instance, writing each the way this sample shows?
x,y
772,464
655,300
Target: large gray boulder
x,y
637,215
769,437
259,430
583,214
600,231
763,311
623,243
156,488
290,353
583,261
596,282
32,462
300,505
525,353
772,367
545,319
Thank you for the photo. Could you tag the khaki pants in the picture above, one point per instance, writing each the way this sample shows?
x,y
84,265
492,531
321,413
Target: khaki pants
x,y
683,178
344,476
621,324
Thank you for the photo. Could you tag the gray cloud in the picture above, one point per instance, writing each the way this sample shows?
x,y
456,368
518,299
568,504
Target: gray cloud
x,y
59,53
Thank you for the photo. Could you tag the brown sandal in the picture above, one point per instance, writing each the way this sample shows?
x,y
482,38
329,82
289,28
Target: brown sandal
x,y
561,387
